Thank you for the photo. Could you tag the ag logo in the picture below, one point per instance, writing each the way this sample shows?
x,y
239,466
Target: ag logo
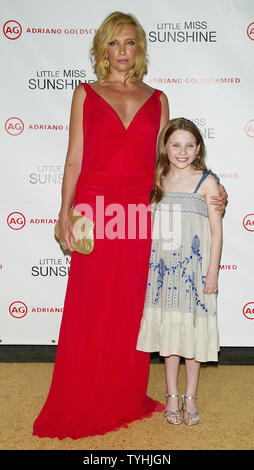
x,y
14,126
18,309
250,31
248,310
16,220
249,128
248,222
12,29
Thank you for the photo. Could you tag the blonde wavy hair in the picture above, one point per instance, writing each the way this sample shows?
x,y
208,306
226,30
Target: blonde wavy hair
x,y
104,35
162,161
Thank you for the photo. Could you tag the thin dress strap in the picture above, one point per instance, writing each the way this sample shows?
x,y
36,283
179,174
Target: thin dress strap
x,y
86,86
157,92
203,177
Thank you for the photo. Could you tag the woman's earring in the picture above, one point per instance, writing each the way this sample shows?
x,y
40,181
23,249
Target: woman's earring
x,y
106,63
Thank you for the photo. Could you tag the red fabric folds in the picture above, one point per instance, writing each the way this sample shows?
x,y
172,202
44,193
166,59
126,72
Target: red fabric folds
x,y
99,381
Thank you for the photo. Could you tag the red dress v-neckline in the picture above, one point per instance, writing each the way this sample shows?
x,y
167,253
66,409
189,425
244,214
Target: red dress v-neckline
x,y
116,113
106,290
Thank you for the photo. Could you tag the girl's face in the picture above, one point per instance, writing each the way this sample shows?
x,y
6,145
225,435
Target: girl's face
x,y
181,148
122,49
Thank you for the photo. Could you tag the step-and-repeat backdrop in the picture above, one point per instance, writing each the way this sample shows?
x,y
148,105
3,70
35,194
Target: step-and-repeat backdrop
x,y
201,54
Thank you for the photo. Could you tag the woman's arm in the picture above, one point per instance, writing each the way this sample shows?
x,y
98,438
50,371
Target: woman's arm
x,y
221,200
211,189
72,164
164,111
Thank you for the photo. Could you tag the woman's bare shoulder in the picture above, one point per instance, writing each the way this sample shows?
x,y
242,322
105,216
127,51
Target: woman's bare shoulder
x,y
146,87
151,89
163,96
164,99
79,93
98,86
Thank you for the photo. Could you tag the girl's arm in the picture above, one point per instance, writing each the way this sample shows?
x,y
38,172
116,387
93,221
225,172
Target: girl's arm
x,y
72,164
219,201
211,189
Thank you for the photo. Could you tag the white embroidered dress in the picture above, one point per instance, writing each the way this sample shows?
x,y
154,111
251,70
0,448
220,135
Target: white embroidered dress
x,y
178,317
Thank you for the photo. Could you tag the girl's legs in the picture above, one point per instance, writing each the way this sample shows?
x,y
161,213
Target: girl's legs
x,y
192,368
171,369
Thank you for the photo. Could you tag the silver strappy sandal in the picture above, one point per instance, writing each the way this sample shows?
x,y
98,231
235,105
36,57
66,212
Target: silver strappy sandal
x,y
172,417
190,418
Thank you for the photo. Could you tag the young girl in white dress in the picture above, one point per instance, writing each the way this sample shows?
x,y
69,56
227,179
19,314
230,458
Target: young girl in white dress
x,y
180,312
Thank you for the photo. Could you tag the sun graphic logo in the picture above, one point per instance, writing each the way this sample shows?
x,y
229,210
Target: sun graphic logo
x,y
12,30
18,309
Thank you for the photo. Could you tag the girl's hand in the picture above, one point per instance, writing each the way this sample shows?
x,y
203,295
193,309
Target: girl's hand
x,y
221,200
211,284
66,228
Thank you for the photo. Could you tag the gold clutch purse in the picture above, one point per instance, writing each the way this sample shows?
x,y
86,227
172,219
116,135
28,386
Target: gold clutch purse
x,y
84,231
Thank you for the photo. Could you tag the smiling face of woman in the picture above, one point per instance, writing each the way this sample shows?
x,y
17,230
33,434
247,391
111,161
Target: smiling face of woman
x,y
122,49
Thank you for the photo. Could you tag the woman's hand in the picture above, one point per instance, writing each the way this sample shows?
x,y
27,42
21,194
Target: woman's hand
x,y
221,200
211,284
66,229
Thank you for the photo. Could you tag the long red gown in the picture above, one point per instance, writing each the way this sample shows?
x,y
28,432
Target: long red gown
x,y
99,381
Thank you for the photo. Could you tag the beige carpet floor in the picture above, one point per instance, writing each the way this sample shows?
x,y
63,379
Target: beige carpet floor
x,y
225,404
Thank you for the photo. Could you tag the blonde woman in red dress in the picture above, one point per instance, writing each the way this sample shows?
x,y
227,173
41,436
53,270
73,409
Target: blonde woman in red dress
x,y
100,380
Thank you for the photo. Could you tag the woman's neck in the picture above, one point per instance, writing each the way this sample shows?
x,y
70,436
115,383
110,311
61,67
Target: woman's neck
x,y
117,77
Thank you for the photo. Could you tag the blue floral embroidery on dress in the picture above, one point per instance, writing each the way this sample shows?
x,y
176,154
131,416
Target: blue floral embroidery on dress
x,y
161,271
191,280
196,246
182,264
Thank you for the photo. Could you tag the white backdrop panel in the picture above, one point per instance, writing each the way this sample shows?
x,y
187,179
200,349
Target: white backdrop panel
x,y
201,56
